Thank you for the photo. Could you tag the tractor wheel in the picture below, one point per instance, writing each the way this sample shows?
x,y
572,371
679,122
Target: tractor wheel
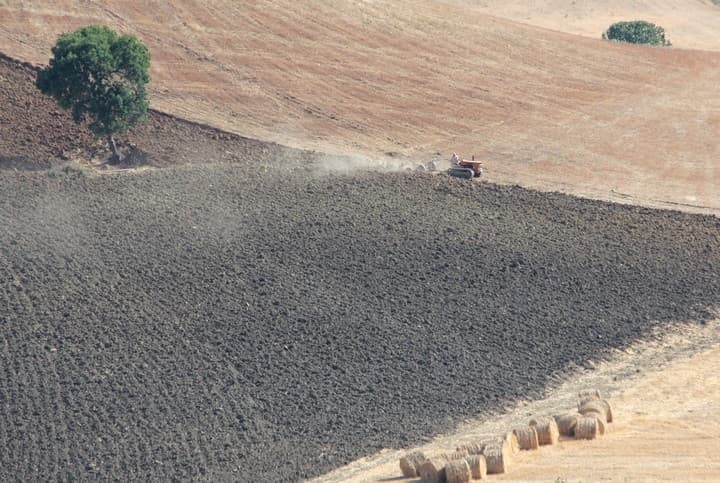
x,y
464,173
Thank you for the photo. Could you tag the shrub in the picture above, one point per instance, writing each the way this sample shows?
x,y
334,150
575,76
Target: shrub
x,y
637,32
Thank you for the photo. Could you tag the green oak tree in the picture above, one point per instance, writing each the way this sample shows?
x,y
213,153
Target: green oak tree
x,y
637,32
101,77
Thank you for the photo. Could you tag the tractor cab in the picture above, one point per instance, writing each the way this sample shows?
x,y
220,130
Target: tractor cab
x,y
465,168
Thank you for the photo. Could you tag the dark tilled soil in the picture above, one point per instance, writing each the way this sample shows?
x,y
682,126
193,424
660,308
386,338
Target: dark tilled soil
x,y
267,323
208,322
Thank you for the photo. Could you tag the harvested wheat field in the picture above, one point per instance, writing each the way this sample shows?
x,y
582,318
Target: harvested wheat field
x,y
265,293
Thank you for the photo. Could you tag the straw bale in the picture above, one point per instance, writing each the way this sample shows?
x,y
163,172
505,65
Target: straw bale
x,y
458,471
588,394
566,423
588,427
459,454
512,441
547,430
478,466
527,438
472,448
598,406
602,427
432,470
508,439
598,414
497,458
410,464
608,408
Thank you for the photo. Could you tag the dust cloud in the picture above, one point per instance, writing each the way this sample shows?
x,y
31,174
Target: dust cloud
x,y
350,164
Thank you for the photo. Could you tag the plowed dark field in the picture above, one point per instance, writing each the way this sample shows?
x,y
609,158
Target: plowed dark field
x,y
248,318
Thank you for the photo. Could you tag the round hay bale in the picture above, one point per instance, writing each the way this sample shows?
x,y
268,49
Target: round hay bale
x,y
600,415
598,406
511,440
588,427
527,438
478,466
432,470
547,430
458,454
458,471
608,408
566,423
472,448
497,458
588,394
410,464
602,428
604,404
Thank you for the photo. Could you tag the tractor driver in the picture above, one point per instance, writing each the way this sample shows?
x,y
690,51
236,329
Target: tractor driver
x,y
455,160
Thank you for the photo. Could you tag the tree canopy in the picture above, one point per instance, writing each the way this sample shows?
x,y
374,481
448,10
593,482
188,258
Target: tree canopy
x,y
637,32
101,77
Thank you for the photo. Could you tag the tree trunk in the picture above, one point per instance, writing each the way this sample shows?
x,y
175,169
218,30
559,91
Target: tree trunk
x,y
116,154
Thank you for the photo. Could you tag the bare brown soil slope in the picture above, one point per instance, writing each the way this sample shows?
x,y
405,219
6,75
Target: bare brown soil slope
x,y
689,24
35,134
545,109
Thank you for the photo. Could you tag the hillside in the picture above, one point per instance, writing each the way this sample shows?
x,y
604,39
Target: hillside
x,y
243,315
35,134
545,109
690,24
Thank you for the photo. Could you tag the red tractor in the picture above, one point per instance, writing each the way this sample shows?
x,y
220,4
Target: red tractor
x,y
464,168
